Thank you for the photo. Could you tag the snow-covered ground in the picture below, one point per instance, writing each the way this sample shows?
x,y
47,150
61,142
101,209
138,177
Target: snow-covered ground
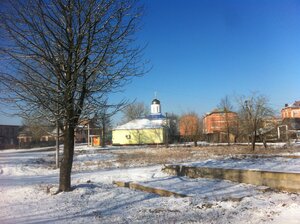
x,y
277,163
28,179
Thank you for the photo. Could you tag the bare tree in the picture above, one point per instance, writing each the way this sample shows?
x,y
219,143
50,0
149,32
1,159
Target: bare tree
x,y
65,57
253,110
37,128
104,123
172,127
230,118
134,111
103,118
190,127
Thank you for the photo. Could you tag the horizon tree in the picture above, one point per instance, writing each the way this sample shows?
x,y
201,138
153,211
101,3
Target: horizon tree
x,y
134,110
231,121
253,110
37,128
190,127
171,126
103,118
62,57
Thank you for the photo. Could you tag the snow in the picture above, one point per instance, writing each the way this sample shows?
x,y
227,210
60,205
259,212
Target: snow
x,y
26,162
279,163
289,215
93,156
28,180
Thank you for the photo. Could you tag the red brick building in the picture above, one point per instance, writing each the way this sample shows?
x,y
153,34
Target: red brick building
x,y
217,123
292,111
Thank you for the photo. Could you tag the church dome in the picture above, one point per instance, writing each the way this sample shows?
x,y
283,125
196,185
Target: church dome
x,y
155,101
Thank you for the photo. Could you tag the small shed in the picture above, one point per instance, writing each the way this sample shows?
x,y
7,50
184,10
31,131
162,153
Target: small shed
x,y
94,140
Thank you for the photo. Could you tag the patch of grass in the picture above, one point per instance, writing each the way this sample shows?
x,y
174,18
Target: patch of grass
x,y
153,156
146,156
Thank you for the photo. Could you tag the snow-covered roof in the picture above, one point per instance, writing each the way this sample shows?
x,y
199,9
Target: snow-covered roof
x,y
143,123
296,104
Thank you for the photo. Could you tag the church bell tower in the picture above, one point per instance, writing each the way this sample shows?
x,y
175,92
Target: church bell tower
x,y
155,107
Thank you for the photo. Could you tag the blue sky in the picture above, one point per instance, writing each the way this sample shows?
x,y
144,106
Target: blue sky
x,y
203,50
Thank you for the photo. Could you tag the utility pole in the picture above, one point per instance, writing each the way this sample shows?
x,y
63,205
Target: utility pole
x,y
57,127
88,126
167,132
57,145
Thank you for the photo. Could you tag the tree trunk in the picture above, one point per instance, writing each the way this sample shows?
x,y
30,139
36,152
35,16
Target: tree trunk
x,y
227,129
228,137
253,140
195,143
265,142
166,137
102,134
67,161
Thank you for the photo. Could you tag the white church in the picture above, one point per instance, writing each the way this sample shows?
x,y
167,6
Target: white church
x,y
148,130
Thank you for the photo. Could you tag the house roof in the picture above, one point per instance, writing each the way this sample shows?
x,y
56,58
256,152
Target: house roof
x,y
296,104
219,112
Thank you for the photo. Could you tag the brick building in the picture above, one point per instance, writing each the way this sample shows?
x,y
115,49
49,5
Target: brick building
x,y
216,124
290,115
291,111
8,136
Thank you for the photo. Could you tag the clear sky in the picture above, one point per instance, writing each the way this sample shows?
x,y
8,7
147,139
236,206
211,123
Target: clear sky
x,y
203,50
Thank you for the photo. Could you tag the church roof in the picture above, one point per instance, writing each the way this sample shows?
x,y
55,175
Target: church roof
x,y
155,101
156,116
141,124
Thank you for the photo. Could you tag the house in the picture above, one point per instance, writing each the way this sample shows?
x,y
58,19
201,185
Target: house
x,y
50,136
88,132
217,124
291,111
290,115
25,136
270,128
9,136
85,132
148,130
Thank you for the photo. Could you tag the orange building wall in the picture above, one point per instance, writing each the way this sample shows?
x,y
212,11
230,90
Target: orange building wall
x,y
290,112
217,121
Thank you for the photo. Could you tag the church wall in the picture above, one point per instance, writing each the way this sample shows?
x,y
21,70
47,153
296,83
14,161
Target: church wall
x,y
137,137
